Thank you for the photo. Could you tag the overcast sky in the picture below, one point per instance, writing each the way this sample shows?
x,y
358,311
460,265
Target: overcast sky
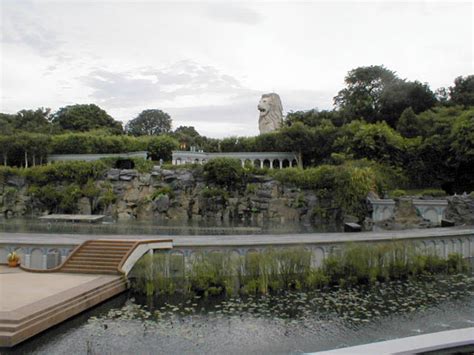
x,y
208,63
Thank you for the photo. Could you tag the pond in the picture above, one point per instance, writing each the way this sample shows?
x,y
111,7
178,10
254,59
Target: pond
x,y
291,322
34,225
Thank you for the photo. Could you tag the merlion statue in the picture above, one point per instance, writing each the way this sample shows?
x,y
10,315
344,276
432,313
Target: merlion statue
x,y
271,113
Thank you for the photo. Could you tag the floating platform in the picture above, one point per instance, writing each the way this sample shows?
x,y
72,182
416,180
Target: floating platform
x,y
33,302
91,218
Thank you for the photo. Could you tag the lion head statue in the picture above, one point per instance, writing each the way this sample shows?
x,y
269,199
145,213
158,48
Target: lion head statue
x,y
271,113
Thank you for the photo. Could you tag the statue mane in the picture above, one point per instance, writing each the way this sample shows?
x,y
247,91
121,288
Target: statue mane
x,y
272,118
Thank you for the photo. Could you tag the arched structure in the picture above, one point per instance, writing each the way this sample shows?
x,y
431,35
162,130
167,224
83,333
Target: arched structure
x,y
271,160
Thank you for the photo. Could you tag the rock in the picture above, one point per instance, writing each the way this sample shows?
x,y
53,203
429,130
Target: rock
x,y
264,194
460,209
84,206
350,219
113,174
161,203
405,216
352,227
15,180
127,174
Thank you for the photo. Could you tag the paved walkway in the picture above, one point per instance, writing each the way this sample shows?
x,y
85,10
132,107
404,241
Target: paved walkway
x,y
257,239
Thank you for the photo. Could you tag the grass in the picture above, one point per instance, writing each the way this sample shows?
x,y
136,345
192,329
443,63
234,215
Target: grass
x,y
279,269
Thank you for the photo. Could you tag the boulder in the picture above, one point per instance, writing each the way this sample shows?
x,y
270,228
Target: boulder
x,y
127,174
15,180
113,174
161,203
460,209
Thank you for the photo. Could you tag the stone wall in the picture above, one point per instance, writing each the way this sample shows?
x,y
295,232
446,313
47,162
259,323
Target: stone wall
x,y
182,195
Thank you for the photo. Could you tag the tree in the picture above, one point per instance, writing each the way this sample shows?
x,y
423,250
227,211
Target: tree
x,y
408,125
149,122
161,147
401,94
38,121
6,123
85,118
462,93
364,88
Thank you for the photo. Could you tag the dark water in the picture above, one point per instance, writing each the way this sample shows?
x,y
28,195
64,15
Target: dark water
x,y
291,322
34,225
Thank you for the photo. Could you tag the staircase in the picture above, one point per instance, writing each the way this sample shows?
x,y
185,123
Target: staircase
x,y
98,257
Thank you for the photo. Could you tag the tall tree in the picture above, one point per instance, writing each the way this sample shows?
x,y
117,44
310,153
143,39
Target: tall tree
x,y
401,94
462,93
149,122
364,88
85,118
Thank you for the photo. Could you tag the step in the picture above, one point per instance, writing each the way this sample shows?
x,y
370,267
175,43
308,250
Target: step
x,y
89,266
91,271
95,258
104,242
108,247
101,252
95,263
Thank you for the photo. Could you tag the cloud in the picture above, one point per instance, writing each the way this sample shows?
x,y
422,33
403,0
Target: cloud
x,y
233,13
184,81
20,25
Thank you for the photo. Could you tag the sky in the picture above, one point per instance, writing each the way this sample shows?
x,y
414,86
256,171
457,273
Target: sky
x,y
208,63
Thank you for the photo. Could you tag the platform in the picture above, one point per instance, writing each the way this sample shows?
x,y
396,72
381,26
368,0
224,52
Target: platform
x,y
32,302
92,218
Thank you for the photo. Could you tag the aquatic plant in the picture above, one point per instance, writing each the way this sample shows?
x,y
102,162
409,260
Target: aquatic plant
x,y
274,270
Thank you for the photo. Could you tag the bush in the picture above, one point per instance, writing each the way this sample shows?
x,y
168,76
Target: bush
x,y
397,193
161,147
224,172
433,192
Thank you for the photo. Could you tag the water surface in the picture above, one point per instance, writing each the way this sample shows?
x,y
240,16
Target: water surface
x,y
291,322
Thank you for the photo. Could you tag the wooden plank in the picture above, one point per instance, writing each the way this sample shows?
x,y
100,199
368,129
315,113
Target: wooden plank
x,y
74,217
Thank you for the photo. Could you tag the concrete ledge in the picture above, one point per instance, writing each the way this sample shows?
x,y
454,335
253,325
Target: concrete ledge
x,y
412,345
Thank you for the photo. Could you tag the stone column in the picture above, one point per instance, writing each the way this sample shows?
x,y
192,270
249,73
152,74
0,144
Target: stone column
x,y
173,162
44,264
281,163
243,163
261,163
27,261
271,163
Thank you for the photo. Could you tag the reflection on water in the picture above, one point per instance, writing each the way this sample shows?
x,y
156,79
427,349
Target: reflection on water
x,y
290,322
34,225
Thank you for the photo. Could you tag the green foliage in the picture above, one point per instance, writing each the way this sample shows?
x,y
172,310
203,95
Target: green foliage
x,y
212,192
161,147
433,192
85,118
78,172
397,193
96,142
143,165
224,172
348,185
149,123
289,268
164,190
57,198
376,141
107,196
462,93
375,93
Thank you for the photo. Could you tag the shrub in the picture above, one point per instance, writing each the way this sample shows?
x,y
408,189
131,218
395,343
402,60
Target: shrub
x,y
433,192
224,172
165,190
